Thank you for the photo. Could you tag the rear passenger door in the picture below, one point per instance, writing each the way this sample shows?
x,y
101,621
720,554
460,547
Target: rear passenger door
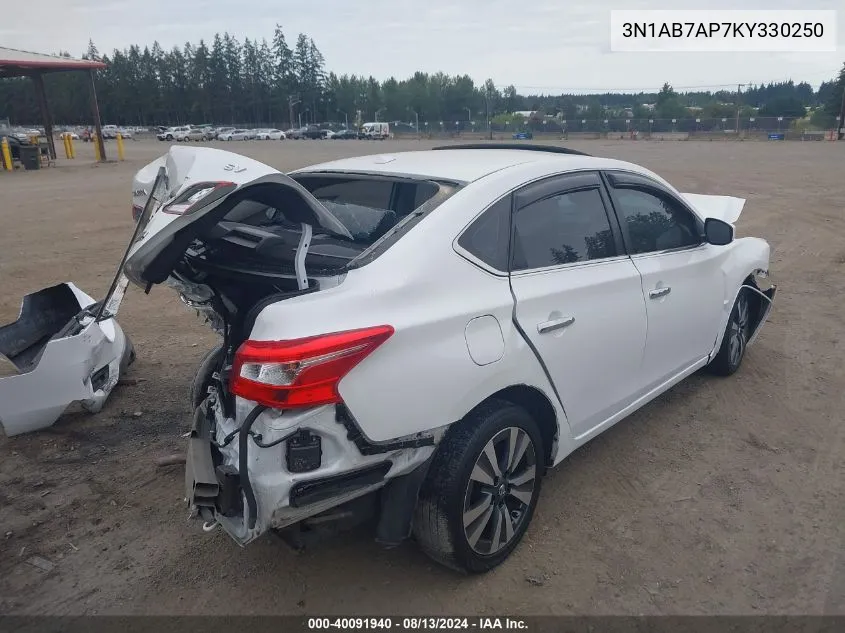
x,y
682,284
578,296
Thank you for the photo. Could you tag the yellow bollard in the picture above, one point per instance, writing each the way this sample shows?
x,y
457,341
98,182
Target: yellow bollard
x,y
119,146
66,142
96,147
70,145
7,154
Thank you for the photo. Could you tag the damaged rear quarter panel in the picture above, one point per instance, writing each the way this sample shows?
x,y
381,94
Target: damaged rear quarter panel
x,y
421,289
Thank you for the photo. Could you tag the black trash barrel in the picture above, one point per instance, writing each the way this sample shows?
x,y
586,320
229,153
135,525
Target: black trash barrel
x,y
30,157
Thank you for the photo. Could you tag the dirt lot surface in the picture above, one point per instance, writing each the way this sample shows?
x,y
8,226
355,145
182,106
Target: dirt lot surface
x,y
723,496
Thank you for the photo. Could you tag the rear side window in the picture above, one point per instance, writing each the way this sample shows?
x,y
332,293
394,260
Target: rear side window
x,y
561,229
488,236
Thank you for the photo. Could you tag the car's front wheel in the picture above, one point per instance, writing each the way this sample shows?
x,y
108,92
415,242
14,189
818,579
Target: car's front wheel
x,y
735,340
482,488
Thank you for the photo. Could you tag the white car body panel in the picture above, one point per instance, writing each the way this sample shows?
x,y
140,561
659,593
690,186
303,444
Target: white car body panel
x,y
682,324
604,301
461,327
35,399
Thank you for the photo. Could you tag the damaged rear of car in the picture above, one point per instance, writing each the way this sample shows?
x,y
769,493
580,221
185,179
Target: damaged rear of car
x,y
272,442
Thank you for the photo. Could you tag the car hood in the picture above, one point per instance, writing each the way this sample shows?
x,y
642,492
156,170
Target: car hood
x,y
163,237
725,208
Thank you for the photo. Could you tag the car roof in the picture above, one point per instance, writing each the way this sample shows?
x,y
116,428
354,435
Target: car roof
x,y
463,165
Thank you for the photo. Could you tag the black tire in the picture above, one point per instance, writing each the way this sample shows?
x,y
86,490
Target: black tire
x,y
735,341
447,493
202,380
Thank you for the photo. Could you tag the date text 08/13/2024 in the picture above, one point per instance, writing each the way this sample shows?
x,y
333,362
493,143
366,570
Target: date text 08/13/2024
x,y
417,623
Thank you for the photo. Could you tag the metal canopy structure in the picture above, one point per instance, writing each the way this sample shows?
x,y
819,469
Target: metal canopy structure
x,y
15,63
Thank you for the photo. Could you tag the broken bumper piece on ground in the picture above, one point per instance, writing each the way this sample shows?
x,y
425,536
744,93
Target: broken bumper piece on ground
x,y
55,354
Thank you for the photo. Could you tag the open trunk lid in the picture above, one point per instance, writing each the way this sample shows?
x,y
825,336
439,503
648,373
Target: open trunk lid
x,y
198,187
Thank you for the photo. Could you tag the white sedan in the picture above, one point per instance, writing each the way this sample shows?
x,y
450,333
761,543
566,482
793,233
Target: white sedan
x,y
270,135
237,135
501,307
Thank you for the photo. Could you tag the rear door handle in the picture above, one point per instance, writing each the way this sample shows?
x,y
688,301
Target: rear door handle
x,y
555,324
659,292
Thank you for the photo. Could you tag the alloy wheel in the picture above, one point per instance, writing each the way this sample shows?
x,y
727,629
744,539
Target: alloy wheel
x,y
500,490
739,330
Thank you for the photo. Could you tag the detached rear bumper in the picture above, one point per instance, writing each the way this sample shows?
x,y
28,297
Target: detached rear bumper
x,y
58,358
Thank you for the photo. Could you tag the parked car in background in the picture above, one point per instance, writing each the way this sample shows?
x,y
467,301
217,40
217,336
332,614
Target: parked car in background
x,y
71,135
237,135
171,133
342,135
313,132
192,134
270,135
523,135
328,133
377,130
222,130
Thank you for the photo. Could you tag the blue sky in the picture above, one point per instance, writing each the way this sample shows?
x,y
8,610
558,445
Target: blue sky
x,y
539,45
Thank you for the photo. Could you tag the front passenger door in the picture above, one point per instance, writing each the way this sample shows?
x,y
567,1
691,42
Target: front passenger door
x,y
682,283
578,296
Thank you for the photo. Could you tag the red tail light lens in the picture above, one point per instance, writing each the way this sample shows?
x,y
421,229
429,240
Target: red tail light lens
x,y
303,372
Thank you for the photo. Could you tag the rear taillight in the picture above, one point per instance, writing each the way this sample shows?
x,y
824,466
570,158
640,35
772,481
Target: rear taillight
x,y
189,199
303,372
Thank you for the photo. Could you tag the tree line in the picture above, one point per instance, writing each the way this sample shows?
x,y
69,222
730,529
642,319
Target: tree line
x,y
259,82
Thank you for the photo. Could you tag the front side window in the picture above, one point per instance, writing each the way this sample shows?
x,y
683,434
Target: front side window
x,y
655,223
561,229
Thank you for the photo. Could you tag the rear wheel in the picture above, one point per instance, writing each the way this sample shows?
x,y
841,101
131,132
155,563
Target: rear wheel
x,y
735,340
482,488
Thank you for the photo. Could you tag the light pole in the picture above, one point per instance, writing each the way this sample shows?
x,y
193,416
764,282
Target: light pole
x,y
377,112
417,118
469,114
487,112
292,101
345,119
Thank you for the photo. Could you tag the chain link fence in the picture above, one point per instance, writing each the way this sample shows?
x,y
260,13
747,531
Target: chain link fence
x,y
787,128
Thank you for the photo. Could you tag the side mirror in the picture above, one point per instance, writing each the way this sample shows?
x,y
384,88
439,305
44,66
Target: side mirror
x,y
718,232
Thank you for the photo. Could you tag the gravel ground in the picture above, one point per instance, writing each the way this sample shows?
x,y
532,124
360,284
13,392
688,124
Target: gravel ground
x,y
724,496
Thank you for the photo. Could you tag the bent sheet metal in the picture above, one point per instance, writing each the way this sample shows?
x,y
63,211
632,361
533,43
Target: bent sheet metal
x,y
65,347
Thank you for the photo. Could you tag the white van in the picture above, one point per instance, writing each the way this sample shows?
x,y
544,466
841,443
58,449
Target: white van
x,y
378,130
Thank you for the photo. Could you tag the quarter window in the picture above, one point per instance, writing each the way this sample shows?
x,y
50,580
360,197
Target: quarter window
x,y
655,223
487,238
564,228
